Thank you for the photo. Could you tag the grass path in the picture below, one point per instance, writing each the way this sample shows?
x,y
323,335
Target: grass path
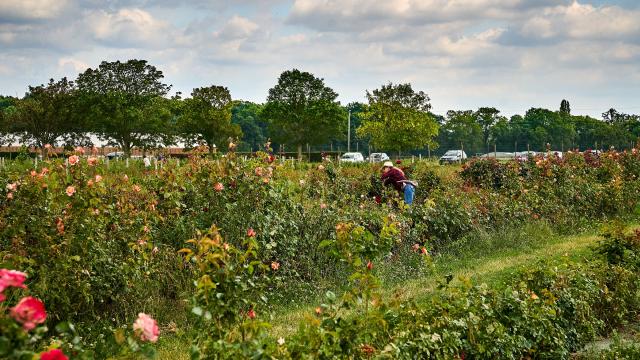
x,y
490,262
491,258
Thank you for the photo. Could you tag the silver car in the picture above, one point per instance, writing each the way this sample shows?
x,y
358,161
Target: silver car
x,y
453,156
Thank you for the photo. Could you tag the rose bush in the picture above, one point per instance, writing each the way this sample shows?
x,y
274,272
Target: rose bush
x,y
100,240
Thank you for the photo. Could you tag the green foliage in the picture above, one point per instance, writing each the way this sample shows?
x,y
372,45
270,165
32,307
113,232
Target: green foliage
x,y
301,110
247,115
108,250
206,117
230,282
397,118
47,115
461,129
123,101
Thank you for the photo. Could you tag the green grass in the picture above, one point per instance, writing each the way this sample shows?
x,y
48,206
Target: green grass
x,y
485,257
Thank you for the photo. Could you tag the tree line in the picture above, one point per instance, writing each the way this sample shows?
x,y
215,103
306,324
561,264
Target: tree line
x,y
127,104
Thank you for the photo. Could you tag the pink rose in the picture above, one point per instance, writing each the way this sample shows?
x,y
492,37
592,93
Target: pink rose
x,y
47,146
146,327
258,171
92,161
218,187
80,150
136,188
98,178
12,186
10,196
33,173
55,354
251,232
323,206
11,278
73,159
70,190
29,312
275,265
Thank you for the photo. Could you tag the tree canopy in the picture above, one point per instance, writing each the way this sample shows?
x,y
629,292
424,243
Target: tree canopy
x,y
397,118
207,117
122,100
47,115
301,110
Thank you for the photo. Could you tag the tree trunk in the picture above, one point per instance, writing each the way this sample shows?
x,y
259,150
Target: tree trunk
x,y
126,148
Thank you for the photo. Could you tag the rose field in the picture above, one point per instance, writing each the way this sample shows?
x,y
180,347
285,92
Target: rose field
x,y
228,257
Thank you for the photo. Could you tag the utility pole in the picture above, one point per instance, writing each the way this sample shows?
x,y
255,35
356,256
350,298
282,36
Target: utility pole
x,y
349,132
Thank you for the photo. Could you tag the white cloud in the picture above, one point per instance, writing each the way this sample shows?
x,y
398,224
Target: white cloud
x,y
237,27
362,15
581,22
21,10
130,28
71,65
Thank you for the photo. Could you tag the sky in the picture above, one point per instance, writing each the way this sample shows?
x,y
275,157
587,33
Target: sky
x,y
509,54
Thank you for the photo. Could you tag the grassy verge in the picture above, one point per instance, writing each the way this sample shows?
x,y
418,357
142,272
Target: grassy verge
x,y
485,257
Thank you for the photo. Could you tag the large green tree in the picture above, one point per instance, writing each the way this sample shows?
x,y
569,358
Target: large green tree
x,y
47,115
7,108
397,118
487,117
461,130
254,130
206,117
301,110
122,100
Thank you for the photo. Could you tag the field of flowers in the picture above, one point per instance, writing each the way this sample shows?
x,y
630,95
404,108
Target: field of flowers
x,y
101,259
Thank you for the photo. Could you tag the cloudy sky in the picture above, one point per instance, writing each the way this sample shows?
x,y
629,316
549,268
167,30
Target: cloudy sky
x,y
511,54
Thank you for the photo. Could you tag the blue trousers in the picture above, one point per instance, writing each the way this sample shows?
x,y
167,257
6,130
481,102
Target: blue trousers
x,y
409,192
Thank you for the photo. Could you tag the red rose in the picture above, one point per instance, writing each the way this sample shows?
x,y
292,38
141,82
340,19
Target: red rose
x,y
55,354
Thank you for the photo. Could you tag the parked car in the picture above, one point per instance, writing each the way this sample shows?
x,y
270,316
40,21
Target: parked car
x,y
378,157
498,155
525,155
115,155
453,156
352,157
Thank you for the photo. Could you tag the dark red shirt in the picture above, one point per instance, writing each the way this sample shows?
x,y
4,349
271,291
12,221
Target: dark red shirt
x,y
393,177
